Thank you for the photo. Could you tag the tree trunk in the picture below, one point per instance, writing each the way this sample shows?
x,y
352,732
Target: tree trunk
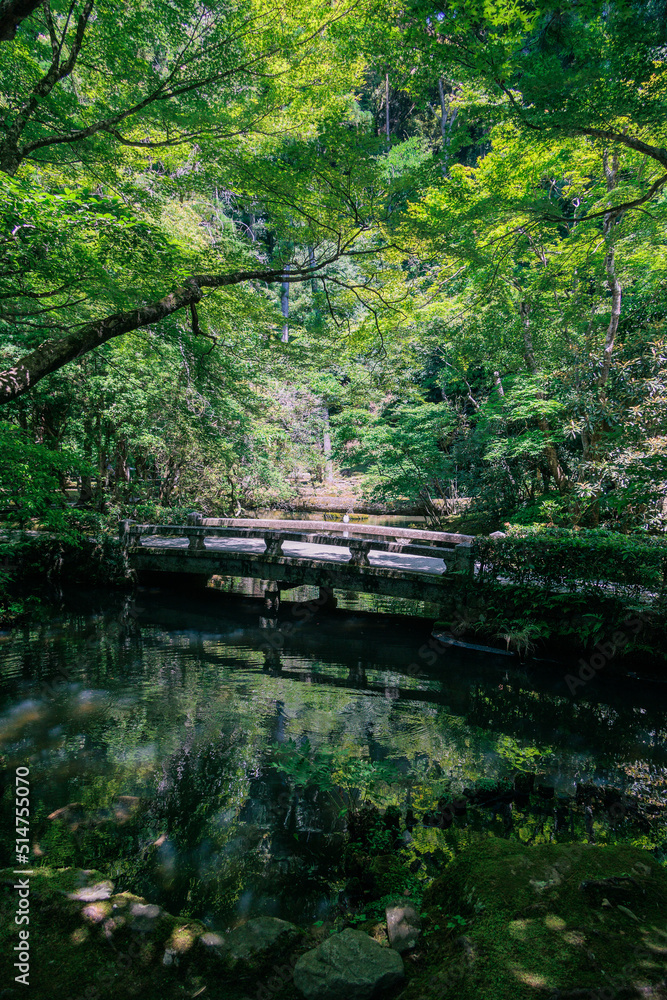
x,y
311,262
52,355
498,384
614,285
446,124
386,102
284,306
591,441
528,349
121,471
326,445
550,453
85,489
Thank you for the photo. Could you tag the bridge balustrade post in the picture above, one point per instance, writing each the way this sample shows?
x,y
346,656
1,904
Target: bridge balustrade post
x,y
359,553
196,543
274,545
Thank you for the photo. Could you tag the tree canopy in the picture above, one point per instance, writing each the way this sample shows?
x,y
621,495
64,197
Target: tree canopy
x,y
233,232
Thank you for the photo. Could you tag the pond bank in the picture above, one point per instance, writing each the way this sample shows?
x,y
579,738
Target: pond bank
x,y
502,921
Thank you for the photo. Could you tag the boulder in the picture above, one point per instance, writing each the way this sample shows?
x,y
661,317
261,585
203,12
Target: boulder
x,y
252,942
403,927
350,965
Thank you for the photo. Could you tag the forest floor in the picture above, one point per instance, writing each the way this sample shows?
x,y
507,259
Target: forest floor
x,y
550,920
344,494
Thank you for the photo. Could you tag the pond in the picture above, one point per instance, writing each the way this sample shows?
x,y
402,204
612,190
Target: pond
x,y
211,759
388,520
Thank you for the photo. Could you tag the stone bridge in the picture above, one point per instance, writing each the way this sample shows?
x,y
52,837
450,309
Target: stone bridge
x,y
374,559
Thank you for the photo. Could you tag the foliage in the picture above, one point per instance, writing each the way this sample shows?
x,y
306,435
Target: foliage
x,y
402,448
560,559
344,774
521,758
31,479
437,235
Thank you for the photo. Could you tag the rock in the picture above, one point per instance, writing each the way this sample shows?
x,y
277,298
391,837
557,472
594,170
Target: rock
x,y
95,913
144,916
403,927
497,534
253,941
93,893
350,965
73,906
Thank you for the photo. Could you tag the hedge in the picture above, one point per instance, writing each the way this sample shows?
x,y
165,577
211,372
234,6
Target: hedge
x,y
559,559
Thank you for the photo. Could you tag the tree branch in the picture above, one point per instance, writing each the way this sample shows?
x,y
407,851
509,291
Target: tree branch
x,y
52,355
168,89
613,210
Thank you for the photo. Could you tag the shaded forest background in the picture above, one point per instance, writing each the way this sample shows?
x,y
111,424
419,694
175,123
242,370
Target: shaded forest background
x,y
430,238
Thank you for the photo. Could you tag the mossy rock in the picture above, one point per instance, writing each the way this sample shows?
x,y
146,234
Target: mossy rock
x,y
85,940
249,949
539,924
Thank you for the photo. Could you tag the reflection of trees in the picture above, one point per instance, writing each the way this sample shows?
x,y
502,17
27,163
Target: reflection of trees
x,y
610,729
192,717
196,784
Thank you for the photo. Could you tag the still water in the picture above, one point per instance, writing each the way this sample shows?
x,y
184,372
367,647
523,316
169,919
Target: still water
x,y
197,752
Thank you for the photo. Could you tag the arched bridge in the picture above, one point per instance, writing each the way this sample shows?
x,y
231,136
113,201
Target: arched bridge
x,y
374,559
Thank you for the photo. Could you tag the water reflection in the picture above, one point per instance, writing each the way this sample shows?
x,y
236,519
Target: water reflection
x,y
151,731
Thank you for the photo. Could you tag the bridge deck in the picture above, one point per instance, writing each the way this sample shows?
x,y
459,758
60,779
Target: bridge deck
x,y
303,550
368,558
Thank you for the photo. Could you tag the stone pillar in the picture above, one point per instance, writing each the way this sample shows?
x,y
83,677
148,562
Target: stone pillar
x,y
359,553
326,599
123,535
197,543
269,617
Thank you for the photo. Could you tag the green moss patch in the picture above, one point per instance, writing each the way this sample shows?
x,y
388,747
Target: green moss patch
x,y
545,920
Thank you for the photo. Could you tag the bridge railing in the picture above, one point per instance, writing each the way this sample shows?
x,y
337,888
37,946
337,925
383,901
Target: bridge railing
x,y
380,532
453,549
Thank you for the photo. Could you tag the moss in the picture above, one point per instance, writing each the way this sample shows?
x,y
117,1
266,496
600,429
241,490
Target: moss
x,y
532,929
120,946
74,955
503,922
